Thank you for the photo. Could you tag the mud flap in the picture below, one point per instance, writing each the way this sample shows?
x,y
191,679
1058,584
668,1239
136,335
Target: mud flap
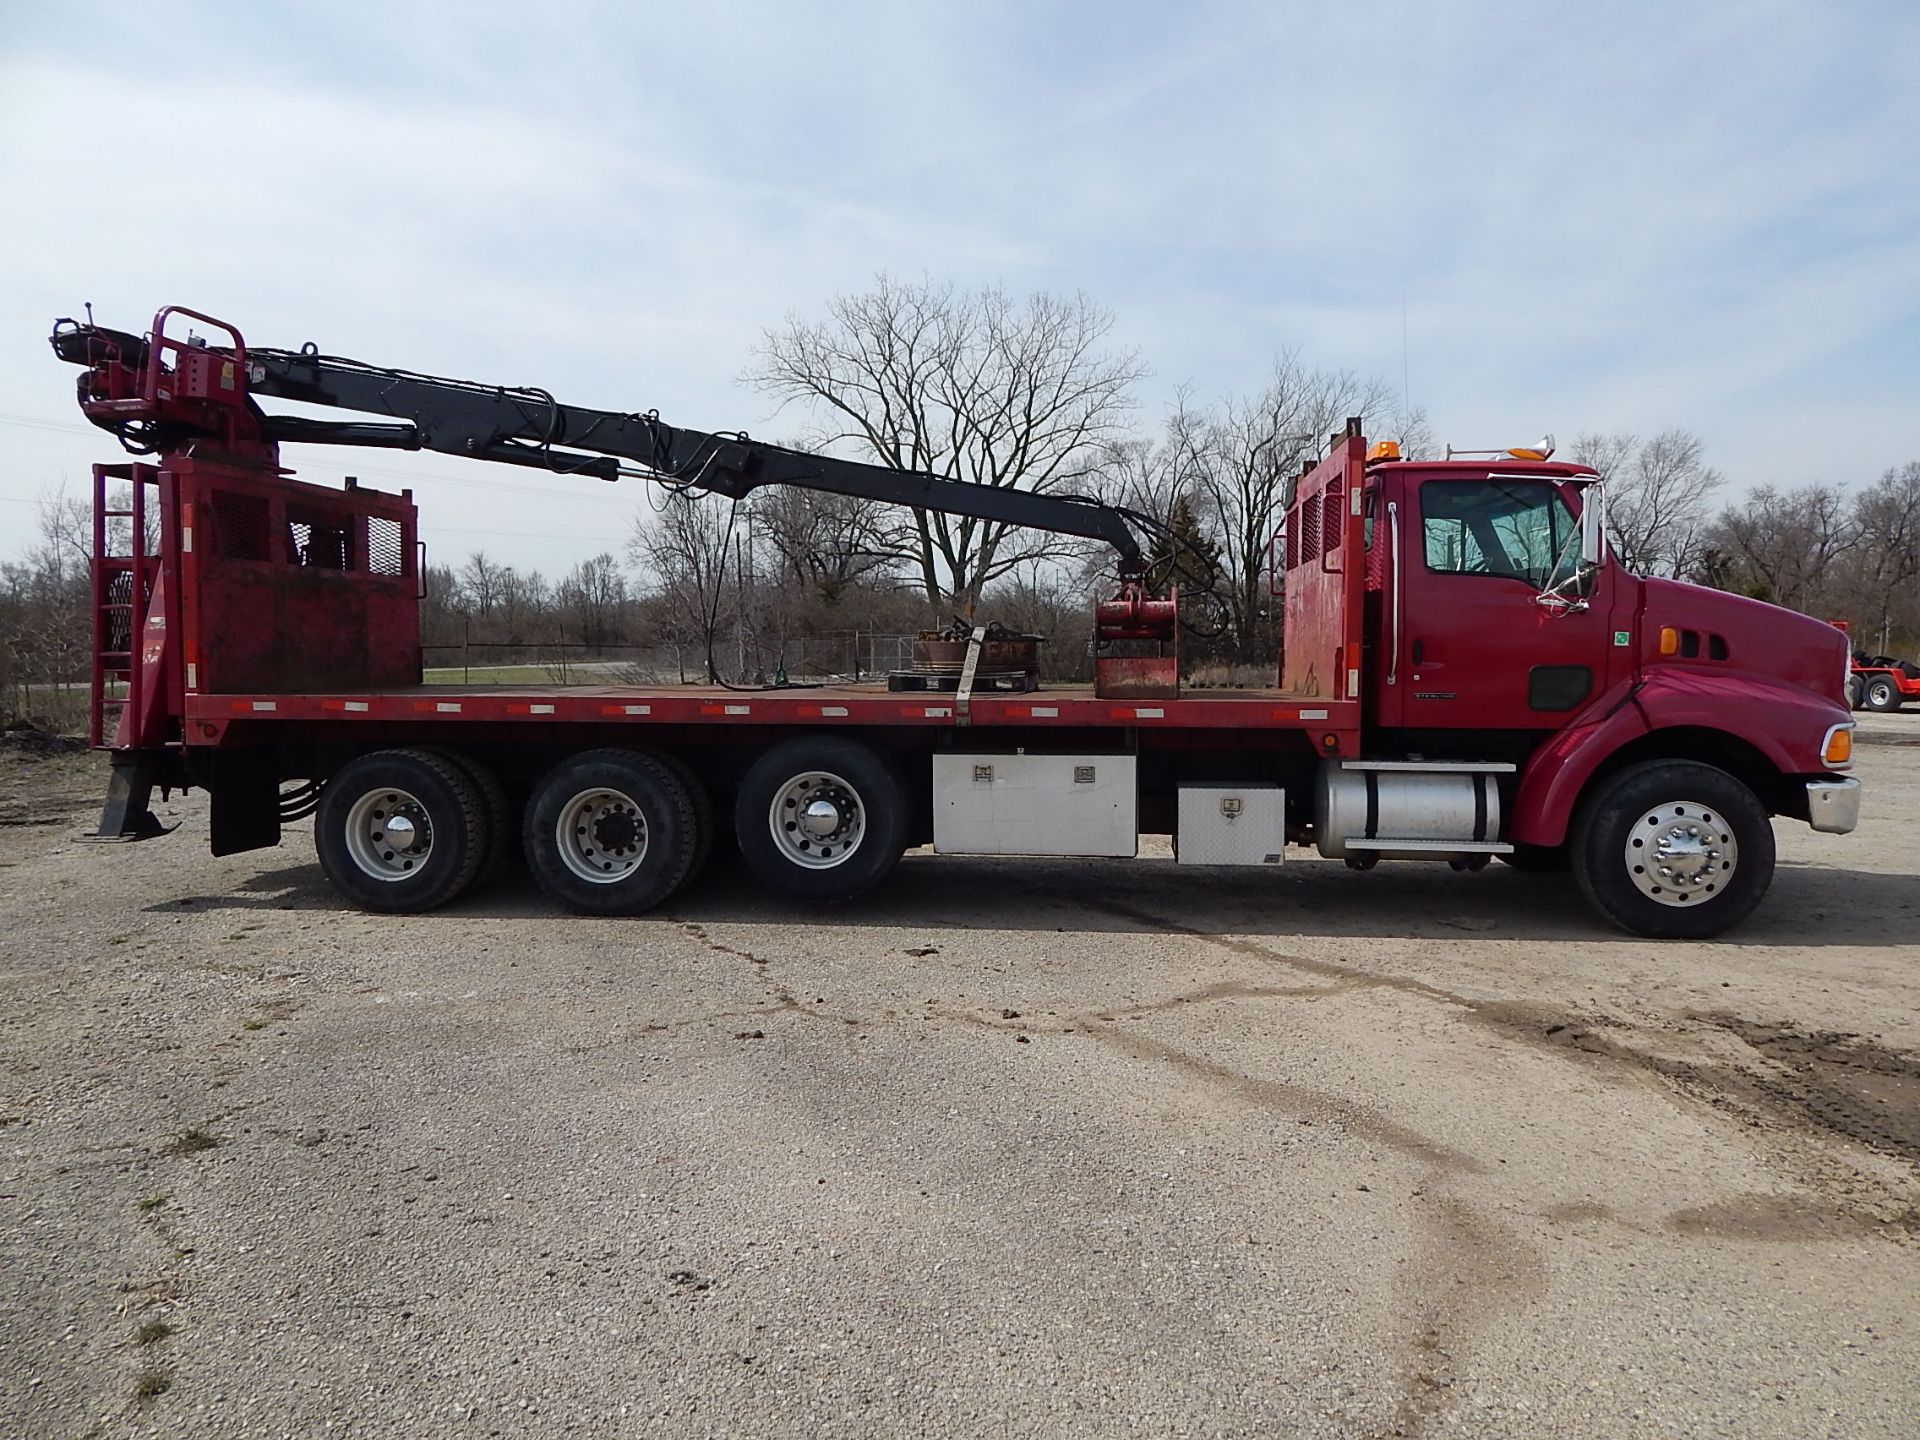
x,y
246,801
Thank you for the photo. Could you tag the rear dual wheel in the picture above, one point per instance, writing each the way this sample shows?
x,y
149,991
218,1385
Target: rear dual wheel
x,y
822,818
402,831
616,831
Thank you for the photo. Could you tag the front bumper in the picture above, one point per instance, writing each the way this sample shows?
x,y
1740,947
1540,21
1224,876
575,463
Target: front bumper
x,y
1833,806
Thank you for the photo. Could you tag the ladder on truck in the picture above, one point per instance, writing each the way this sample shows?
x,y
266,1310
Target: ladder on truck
x,y
122,589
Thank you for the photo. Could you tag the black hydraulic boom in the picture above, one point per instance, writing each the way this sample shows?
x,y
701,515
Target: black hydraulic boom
x,y
525,426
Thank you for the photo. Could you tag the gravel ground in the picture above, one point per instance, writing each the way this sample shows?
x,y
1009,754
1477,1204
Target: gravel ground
x,y
1011,1148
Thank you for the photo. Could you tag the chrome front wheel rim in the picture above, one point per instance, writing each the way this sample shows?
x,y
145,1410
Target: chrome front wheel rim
x,y
1681,853
389,834
601,835
817,820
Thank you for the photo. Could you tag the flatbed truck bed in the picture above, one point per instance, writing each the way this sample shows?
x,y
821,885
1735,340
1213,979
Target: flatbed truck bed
x,y
833,705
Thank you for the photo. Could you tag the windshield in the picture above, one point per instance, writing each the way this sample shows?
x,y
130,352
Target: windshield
x,y
1521,529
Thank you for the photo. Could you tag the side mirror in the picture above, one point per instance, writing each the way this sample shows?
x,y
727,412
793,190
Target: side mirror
x,y
1570,587
1593,525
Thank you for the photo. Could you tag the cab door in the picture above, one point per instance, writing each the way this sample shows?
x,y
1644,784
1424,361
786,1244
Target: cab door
x,y
1468,645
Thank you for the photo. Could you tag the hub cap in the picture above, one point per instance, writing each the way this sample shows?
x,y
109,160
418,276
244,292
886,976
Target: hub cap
x,y
817,820
1681,853
601,836
389,834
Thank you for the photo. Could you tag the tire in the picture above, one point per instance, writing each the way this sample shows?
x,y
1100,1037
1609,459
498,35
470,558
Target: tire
x,y
702,800
1539,859
1711,826
502,827
361,813
1856,693
1882,694
864,803
610,832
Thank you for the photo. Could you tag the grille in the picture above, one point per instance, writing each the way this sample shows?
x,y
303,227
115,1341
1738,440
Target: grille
x,y
240,526
1332,513
386,547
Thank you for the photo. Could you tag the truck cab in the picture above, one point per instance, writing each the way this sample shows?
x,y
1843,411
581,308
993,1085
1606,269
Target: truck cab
x,y
1502,631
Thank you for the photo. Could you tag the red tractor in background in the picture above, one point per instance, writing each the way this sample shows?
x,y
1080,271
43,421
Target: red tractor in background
x,y
1879,682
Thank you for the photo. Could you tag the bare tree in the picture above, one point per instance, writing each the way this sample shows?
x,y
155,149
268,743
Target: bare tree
x,y
1658,494
481,579
1881,584
1780,545
1252,454
970,385
685,548
830,543
591,598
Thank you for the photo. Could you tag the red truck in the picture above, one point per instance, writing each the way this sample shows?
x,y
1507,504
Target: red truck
x,y
1466,673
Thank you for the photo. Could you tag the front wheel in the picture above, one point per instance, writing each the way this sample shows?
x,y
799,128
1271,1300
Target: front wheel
x,y
1882,694
823,818
1673,850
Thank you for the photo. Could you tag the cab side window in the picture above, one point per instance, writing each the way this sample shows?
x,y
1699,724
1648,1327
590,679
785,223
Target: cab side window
x,y
1512,528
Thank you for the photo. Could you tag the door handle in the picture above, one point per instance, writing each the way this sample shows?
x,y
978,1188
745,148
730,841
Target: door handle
x,y
1393,536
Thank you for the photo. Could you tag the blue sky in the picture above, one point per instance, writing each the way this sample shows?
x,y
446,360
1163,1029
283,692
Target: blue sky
x,y
1605,216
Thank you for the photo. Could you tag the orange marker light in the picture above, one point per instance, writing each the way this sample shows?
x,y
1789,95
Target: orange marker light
x,y
1669,640
1385,450
1839,749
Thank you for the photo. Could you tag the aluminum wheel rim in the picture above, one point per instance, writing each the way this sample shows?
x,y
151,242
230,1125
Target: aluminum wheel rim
x,y
1880,692
601,835
389,834
1681,853
817,820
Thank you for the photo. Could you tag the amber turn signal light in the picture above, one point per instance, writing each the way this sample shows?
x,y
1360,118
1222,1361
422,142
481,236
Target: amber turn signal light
x,y
1839,748
1669,640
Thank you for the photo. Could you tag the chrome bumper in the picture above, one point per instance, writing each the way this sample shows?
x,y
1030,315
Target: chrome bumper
x,y
1833,805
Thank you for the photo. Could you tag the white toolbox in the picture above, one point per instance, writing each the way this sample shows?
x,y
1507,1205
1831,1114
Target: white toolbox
x,y
1035,805
1231,825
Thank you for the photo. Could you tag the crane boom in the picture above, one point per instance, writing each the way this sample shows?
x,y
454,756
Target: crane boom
x,y
529,427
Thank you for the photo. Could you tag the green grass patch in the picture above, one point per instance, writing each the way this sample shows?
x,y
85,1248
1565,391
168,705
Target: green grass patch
x,y
152,1203
152,1332
494,675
